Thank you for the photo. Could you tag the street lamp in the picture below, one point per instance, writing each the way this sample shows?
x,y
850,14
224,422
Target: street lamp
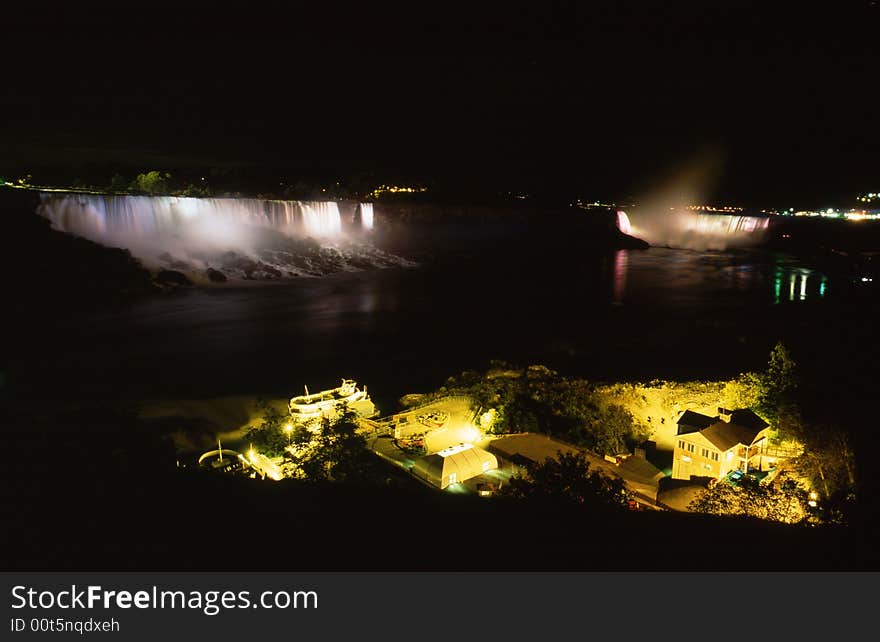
x,y
288,428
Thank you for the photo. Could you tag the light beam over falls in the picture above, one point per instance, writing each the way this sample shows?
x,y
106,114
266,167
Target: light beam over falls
x,y
246,237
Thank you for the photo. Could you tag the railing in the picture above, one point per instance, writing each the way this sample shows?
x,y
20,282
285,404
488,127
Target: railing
x,y
783,452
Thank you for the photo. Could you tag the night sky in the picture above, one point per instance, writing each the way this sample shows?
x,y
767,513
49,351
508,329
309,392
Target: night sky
x,y
596,98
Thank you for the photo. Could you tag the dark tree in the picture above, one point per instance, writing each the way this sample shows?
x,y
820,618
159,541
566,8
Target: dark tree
x,y
334,450
781,502
269,437
568,478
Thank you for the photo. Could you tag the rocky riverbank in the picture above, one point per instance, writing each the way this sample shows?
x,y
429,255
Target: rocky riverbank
x,y
47,269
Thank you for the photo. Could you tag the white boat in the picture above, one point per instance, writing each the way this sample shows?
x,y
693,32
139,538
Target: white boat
x,y
328,403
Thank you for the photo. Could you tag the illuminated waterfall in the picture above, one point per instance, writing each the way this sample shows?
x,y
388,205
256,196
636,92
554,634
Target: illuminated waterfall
x,y
367,216
623,223
321,219
96,217
695,230
205,232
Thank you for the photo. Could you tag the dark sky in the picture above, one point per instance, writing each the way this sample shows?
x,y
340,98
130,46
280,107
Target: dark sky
x,y
602,97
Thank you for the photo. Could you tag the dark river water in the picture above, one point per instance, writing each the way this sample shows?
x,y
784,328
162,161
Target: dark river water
x,y
521,298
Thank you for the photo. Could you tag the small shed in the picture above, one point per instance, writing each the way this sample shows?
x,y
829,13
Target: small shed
x,y
454,464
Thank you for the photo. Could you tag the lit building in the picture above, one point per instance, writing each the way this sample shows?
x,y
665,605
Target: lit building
x,y
454,465
714,446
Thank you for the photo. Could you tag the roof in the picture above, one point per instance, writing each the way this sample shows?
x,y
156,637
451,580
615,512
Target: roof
x,y
695,420
464,462
530,447
725,435
452,450
642,468
747,418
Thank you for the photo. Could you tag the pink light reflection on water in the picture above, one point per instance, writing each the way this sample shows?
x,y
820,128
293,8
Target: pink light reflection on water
x,y
620,264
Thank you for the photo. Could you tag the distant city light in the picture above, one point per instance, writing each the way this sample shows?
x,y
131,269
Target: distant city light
x,y
724,209
585,205
830,212
396,189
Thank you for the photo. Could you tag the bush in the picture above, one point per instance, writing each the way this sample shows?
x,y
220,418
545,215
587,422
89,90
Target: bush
x,y
153,182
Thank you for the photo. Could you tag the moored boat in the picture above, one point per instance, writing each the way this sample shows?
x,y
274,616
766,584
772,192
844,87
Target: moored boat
x,y
329,403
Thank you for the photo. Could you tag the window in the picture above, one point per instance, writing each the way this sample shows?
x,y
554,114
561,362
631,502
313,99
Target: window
x,y
691,448
704,452
453,478
685,458
714,456
681,444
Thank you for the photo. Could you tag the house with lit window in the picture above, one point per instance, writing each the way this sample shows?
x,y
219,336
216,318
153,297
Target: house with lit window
x,y
714,446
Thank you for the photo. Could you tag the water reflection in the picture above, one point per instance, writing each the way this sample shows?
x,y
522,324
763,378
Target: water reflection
x,y
630,312
620,262
800,284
